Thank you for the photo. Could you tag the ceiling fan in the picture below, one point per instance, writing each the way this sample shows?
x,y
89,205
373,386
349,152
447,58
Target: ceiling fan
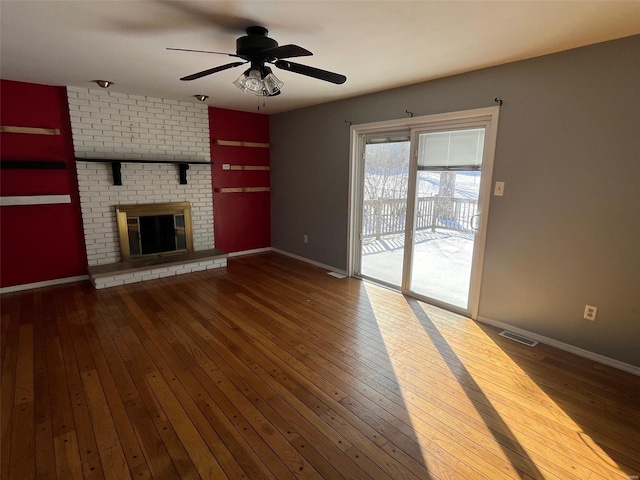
x,y
258,49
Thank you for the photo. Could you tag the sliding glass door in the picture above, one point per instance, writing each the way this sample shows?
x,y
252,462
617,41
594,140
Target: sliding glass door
x,y
420,197
446,218
384,206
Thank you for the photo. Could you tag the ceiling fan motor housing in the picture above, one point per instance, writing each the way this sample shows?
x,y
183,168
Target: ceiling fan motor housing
x,y
254,42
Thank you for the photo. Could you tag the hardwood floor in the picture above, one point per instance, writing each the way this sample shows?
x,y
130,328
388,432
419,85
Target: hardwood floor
x,y
272,369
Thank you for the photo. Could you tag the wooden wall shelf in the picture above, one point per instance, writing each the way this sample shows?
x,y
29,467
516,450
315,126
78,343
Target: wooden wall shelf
x,y
29,130
242,189
233,143
227,166
34,200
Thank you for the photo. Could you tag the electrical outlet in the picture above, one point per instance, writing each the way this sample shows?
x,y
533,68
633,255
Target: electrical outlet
x,y
590,312
305,239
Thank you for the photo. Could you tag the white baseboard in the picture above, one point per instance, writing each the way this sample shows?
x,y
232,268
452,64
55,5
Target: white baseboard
x,y
46,283
307,260
596,357
249,252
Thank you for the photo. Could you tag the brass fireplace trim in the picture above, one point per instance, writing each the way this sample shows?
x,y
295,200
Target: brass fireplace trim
x,y
148,209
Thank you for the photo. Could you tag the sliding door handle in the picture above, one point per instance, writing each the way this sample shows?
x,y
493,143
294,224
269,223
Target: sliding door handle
x,y
474,222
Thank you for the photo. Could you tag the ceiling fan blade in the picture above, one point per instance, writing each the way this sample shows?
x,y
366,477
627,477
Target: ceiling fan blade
x,y
202,51
221,16
286,51
311,72
204,73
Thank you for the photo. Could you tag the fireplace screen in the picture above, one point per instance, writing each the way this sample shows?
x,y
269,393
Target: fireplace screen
x,y
154,229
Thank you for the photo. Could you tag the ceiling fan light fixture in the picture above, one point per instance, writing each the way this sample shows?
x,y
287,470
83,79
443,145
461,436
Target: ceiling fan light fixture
x,y
272,84
260,82
103,83
254,81
241,81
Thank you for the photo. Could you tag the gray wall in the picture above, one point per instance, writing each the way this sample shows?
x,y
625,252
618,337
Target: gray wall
x,y
567,231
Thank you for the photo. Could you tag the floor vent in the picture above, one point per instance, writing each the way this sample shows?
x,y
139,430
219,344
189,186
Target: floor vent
x,y
518,338
336,274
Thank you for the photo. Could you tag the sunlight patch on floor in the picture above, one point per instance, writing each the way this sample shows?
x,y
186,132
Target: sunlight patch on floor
x,y
463,372
529,388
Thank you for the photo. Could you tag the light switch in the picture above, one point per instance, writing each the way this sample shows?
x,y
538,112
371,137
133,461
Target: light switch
x,y
499,190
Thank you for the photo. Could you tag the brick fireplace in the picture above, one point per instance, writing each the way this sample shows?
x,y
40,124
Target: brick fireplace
x,y
113,126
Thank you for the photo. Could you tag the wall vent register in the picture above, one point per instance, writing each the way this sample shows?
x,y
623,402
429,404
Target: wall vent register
x,y
154,230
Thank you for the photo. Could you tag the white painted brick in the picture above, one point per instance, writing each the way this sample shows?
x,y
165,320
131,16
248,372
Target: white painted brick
x,y
126,101
182,269
170,130
77,101
136,110
88,95
98,116
103,123
92,132
88,108
105,283
97,103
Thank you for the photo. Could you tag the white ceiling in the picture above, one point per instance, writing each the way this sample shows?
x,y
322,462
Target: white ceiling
x,y
377,44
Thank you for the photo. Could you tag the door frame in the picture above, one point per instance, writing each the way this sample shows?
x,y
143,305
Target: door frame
x,y
488,116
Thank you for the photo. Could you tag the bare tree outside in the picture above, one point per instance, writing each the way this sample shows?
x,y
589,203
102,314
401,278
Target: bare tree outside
x,y
387,170
446,192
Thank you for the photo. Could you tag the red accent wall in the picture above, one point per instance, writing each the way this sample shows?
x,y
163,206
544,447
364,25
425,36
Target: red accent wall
x,y
38,242
242,221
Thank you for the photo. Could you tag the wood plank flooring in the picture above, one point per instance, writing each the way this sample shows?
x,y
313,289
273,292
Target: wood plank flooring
x,y
272,369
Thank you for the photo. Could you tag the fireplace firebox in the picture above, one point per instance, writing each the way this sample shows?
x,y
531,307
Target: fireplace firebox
x,y
154,230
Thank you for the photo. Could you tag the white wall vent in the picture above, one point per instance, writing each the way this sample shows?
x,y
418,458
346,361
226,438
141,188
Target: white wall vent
x,y
336,274
518,338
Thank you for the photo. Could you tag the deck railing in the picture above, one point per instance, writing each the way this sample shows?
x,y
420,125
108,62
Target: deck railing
x,y
386,216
